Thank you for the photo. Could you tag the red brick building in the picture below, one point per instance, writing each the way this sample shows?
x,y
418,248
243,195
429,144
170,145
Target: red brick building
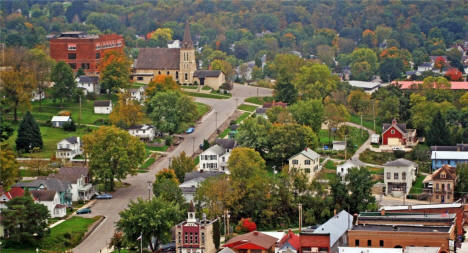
x,y
81,50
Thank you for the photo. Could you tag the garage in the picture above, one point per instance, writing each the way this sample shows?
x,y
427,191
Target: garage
x,y
394,142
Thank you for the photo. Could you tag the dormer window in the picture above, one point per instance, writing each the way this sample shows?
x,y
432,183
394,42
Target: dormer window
x,y
443,175
393,131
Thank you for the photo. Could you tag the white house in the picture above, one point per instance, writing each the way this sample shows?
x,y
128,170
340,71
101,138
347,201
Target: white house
x,y
339,145
59,121
399,176
307,161
69,148
375,138
173,44
192,180
78,178
102,106
51,200
426,66
342,169
37,96
137,94
368,87
144,132
214,159
89,84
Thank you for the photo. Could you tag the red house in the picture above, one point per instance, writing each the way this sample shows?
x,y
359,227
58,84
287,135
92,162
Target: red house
x,y
396,134
253,242
82,50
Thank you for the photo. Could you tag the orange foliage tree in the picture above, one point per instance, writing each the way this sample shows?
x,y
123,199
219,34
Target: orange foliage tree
x,y
454,74
440,62
115,70
161,83
369,38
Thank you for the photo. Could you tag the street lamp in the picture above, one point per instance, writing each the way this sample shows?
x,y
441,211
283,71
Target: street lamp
x,y
149,189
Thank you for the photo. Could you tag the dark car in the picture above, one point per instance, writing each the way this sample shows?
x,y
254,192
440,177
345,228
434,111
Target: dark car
x,y
104,196
83,211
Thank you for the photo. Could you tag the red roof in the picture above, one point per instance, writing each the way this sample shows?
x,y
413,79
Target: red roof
x,y
252,240
405,85
14,192
292,239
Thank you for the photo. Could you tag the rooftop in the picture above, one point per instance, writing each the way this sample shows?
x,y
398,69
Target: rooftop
x,y
60,118
102,103
421,207
400,228
309,153
203,174
217,149
401,162
88,79
226,143
336,226
158,58
450,155
206,73
257,238
407,216
364,85
413,84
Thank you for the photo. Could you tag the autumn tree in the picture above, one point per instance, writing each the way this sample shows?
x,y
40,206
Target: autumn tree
x,y
40,65
17,86
279,114
440,63
363,64
127,112
9,168
160,37
167,173
114,70
113,154
160,83
65,85
29,134
393,62
171,111
308,112
334,115
217,194
369,38
454,74
224,66
359,101
182,164
464,100
315,81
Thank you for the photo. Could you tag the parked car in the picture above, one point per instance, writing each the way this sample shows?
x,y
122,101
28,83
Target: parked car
x,y
104,196
190,130
397,148
83,211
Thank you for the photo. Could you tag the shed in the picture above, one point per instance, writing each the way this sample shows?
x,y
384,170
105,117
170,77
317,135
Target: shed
x,y
59,121
339,145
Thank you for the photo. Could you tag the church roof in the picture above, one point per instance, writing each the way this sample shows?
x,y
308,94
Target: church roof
x,y
187,40
158,58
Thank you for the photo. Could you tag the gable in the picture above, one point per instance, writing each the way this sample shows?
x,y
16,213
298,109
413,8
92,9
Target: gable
x,y
394,128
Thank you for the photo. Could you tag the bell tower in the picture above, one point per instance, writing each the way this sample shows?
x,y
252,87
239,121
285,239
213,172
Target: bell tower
x,y
188,65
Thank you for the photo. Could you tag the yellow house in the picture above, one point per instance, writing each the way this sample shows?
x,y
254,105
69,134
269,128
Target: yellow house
x,y
211,78
307,161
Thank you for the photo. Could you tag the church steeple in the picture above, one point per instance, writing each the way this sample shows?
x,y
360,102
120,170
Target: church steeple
x,y
187,40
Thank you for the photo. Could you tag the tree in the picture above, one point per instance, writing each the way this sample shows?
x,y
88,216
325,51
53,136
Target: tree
x,y
216,194
117,240
360,186
359,101
161,36
168,190
160,83
335,114
279,114
339,193
182,164
438,131
464,100
389,109
5,129
253,133
440,63
247,225
65,85
113,153
25,222
285,92
363,63
17,86
9,168
461,186
127,112
171,111
167,174
114,70
152,219
40,65
224,66
362,71
391,69
216,234
315,81
454,74
308,112
369,38
29,134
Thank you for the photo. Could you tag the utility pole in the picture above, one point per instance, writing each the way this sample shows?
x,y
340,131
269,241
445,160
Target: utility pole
x,y
216,120
257,91
79,117
345,149
237,101
149,190
300,217
361,125
193,145
373,112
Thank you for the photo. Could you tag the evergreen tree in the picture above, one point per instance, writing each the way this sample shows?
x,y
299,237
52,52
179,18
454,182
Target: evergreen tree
x,y
65,86
29,134
438,132
216,234
80,72
285,92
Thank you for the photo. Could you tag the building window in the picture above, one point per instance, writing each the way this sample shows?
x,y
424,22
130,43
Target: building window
x,y
177,75
98,55
395,175
85,65
393,131
448,187
186,76
381,243
307,162
369,242
443,187
140,78
191,238
403,175
202,237
307,170
167,72
389,175
442,175
437,187
159,72
448,196
72,47
71,56
295,161
437,196
356,242
179,237
186,237
196,238
72,65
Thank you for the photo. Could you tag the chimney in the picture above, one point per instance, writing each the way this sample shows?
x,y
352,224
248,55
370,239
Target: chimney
x,y
204,216
410,207
255,232
334,212
355,219
382,212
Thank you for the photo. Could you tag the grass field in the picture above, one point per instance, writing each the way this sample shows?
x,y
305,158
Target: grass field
x,y
242,117
418,185
323,137
147,163
368,123
160,149
258,100
249,108
206,95
202,109
192,87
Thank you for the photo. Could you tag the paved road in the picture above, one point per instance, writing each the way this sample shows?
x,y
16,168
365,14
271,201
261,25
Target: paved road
x,y
221,108
366,144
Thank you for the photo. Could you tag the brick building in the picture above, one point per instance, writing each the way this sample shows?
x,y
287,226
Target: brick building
x,y
440,185
396,236
82,50
193,235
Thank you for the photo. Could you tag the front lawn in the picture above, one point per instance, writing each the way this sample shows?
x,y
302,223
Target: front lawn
x,y
242,117
376,157
245,107
202,109
259,100
68,234
417,187
147,163
206,95
159,149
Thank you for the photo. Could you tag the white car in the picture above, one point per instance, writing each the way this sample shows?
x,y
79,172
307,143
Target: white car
x,y
397,148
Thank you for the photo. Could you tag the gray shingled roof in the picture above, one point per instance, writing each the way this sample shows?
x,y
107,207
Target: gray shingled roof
x,y
70,174
206,73
43,195
88,79
72,140
401,162
102,103
204,174
226,143
216,149
53,184
158,58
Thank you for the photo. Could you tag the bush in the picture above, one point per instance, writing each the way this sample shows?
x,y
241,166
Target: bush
x,y
168,140
69,126
399,153
91,96
64,113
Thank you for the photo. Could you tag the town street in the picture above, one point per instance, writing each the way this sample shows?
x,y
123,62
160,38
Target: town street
x,y
141,184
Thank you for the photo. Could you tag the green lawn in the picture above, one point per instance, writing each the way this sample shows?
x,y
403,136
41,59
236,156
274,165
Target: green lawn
x,y
19,250
367,122
160,149
418,185
249,108
197,160
259,100
202,109
242,117
147,163
206,95
225,133
323,137
192,87
206,88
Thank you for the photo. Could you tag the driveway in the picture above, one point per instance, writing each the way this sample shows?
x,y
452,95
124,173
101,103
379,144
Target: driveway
x,y
140,184
366,144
